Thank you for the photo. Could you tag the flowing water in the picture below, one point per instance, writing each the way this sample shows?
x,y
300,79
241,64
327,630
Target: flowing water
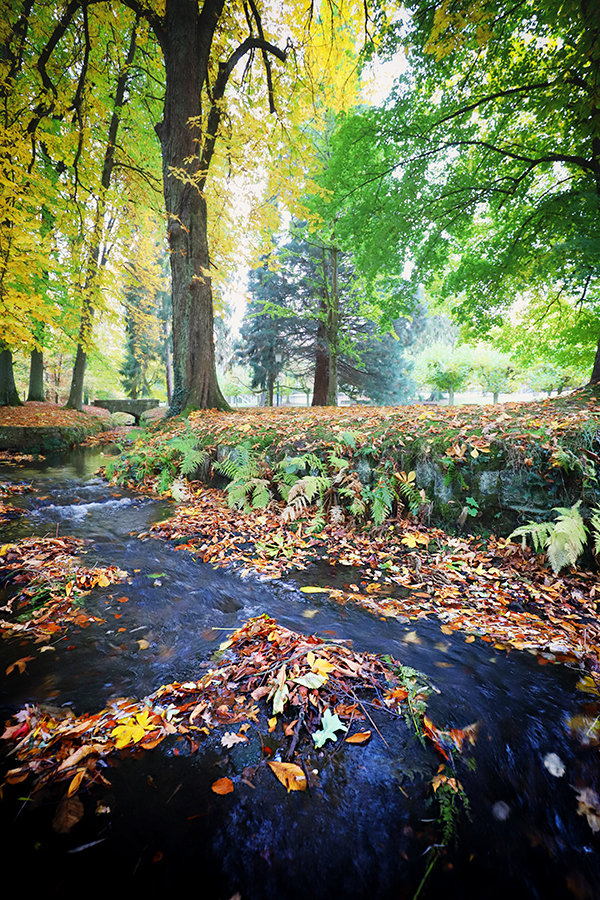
x,y
364,828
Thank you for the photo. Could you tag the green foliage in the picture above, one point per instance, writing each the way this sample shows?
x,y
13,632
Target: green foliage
x,y
249,478
481,168
563,540
149,458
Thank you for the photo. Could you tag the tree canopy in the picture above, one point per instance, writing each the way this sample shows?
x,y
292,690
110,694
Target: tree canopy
x,y
480,175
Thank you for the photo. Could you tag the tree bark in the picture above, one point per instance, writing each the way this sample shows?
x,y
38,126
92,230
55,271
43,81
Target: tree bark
x,y
187,46
333,326
321,361
36,376
595,377
8,392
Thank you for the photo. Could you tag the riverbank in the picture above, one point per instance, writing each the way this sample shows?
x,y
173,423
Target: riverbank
x,y
498,465
47,427
339,497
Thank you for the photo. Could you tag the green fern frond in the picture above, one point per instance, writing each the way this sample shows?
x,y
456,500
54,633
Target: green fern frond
x,y
567,539
595,523
539,532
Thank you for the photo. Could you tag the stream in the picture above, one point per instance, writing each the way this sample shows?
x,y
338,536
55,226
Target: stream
x,y
364,831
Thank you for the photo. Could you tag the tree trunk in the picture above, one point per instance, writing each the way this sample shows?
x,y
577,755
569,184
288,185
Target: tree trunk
x,y
270,388
187,45
450,396
8,391
333,330
595,377
168,364
36,376
496,396
96,258
321,361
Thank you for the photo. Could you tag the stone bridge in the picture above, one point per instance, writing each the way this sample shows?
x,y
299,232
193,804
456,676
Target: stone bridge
x,y
135,408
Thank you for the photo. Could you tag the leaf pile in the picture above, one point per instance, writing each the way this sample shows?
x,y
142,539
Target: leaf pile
x,y
50,583
276,679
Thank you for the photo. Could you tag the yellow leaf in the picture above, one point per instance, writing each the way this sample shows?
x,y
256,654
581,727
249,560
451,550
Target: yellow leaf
x,y
474,453
290,775
102,580
588,685
445,629
143,644
322,666
469,639
315,590
127,734
273,723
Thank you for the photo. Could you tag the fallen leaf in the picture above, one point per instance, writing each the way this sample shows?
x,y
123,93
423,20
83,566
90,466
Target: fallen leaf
x,y
359,738
589,806
69,812
75,783
290,775
20,664
230,738
330,725
222,786
143,644
315,590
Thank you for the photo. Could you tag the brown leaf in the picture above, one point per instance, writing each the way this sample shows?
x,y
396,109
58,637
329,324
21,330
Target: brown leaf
x,y
290,775
223,786
69,812
76,757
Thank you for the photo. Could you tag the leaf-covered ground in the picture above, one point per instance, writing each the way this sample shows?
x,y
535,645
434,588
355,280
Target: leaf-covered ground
x,y
526,427
44,415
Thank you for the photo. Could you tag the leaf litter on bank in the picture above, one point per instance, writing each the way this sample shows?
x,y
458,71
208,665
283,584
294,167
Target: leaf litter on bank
x,y
48,582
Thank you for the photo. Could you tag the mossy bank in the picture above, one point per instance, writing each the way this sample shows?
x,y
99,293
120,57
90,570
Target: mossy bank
x,y
489,465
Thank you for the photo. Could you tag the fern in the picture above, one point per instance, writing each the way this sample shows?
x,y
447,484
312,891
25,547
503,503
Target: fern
x,y
539,532
563,540
382,501
249,484
568,538
595,523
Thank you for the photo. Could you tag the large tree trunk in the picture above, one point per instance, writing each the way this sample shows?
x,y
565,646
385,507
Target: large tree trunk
x,y
36,376
321,361
595,377
333,330
8,391
188,39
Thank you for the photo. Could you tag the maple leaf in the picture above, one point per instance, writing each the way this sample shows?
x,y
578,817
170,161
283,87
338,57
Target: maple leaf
x,y
330,725
230,738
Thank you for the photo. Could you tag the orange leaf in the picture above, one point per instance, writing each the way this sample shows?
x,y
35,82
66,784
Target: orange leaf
x,y
20,664
359,738
223,786
75,783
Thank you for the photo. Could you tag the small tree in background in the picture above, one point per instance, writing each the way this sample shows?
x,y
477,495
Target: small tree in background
x,y
494,369
445,369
